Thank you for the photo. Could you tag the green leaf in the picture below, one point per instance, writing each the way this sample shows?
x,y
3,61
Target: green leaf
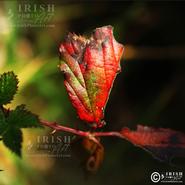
x,y
3,123
22,118
8,87
13,140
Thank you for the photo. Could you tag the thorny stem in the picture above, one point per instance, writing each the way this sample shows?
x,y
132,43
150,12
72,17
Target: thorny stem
x,y
90,135
58,127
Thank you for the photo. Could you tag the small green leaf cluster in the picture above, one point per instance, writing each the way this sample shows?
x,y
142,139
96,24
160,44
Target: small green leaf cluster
x,y
12,121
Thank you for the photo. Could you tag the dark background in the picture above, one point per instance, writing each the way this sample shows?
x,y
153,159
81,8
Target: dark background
x,y
150,89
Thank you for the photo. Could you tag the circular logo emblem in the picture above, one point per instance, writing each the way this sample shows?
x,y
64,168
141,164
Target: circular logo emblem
x,y
155,177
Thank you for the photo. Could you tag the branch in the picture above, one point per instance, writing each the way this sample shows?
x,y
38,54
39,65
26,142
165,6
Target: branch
x,y
162,143
91,135
55,126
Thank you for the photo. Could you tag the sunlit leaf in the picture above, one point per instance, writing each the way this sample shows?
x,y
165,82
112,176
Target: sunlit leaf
x,y
90,67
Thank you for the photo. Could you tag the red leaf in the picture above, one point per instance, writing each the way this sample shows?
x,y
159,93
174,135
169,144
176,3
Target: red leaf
x,y
163,143
90,67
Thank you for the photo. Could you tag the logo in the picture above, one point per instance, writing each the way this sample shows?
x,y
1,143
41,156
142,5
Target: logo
x,y
28,14
167,177
155,177
49,146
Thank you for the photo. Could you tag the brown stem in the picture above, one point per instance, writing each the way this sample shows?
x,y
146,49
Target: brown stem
x,y
58,127
100,134
90,135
